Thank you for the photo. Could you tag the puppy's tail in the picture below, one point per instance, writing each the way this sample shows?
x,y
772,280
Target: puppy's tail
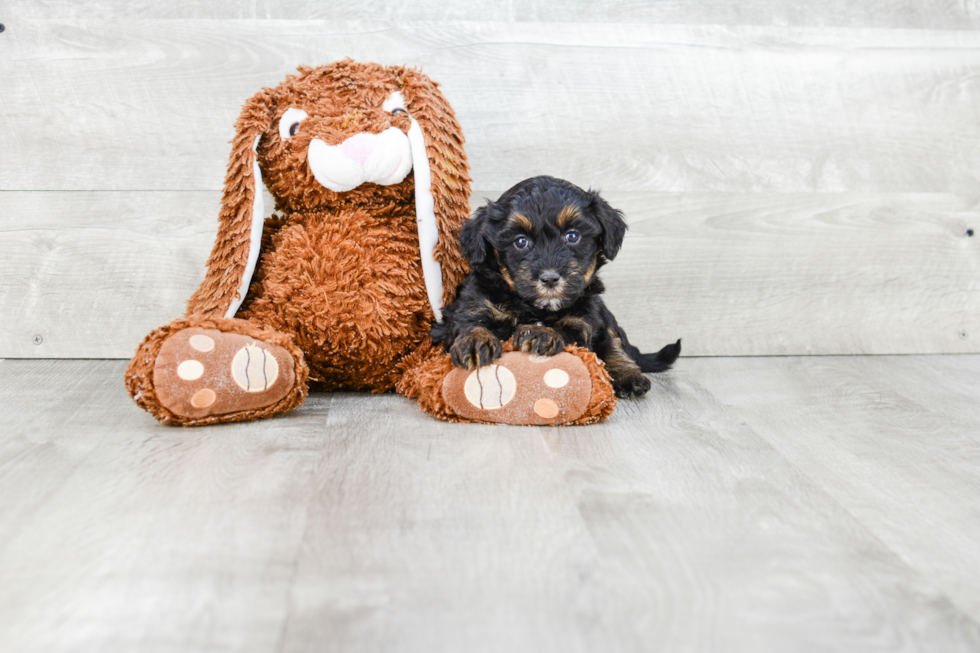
x,y
662,360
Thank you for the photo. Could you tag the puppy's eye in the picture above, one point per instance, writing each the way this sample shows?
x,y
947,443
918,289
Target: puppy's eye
x,y
572,237
521,242
397,110
293,129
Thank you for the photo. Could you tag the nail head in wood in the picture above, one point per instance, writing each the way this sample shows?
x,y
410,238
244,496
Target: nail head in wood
x,y
969,232
37,339
2,27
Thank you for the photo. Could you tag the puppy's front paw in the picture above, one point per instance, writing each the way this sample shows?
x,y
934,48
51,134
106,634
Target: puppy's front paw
x,y
631,385
540,340
475,348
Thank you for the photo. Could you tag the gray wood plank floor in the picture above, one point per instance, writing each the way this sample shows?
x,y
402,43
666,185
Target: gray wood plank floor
x,y
747,504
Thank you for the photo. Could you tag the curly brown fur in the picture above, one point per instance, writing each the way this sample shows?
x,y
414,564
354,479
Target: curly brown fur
x,y
339,273
342,99
534,255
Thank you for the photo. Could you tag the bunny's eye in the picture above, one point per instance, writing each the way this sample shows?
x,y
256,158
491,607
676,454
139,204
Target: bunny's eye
x,y
394,104
289,123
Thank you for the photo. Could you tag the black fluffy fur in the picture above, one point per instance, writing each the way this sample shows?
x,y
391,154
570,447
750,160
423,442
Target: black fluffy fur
x,y
534,255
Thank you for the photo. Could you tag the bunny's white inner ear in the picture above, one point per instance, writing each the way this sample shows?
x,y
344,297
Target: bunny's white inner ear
x,y
425,214
255,237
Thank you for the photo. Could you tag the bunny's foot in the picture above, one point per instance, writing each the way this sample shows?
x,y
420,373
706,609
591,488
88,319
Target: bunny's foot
x,y
569,388
203,372
521,388
216,371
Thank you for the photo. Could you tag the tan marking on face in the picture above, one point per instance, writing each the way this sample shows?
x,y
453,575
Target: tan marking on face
x,y
521,221
568,213
504,272
588,273
524,274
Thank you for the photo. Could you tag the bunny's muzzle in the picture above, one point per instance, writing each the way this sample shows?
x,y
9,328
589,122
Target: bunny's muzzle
x,y
384,159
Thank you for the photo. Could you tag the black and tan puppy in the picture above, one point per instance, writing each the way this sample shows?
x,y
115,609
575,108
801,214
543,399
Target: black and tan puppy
x,y
533,256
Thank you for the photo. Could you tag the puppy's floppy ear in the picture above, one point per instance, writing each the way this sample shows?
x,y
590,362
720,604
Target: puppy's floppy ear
x,y
613,225
475,247
236,247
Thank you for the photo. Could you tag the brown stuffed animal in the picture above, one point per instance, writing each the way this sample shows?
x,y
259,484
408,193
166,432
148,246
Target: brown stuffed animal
x,y
337,289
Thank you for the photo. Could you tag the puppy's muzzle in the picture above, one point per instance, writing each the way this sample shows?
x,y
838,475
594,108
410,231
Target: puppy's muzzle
x,y
550,289
549,279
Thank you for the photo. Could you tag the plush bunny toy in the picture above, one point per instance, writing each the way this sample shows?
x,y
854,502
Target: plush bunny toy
x,y
337,289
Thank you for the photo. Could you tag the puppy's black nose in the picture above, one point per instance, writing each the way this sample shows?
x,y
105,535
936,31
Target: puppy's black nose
x,y
550,278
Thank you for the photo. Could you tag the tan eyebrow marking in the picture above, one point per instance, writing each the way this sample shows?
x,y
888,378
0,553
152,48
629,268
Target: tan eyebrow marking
x,y
521,220
568,213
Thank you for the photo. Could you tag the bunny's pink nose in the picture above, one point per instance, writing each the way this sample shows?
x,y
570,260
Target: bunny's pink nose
x,y
358,147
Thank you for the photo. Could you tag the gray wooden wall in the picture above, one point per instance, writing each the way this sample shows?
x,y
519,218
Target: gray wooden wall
x,y
800,177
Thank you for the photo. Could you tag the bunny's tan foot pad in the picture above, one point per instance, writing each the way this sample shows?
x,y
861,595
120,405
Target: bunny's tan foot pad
x,y
521,388
202,372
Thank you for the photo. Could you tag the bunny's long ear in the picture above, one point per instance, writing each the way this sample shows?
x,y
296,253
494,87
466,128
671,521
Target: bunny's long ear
x,y
448,172
236,247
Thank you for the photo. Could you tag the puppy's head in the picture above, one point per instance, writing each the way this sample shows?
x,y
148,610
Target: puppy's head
x,y
545,238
